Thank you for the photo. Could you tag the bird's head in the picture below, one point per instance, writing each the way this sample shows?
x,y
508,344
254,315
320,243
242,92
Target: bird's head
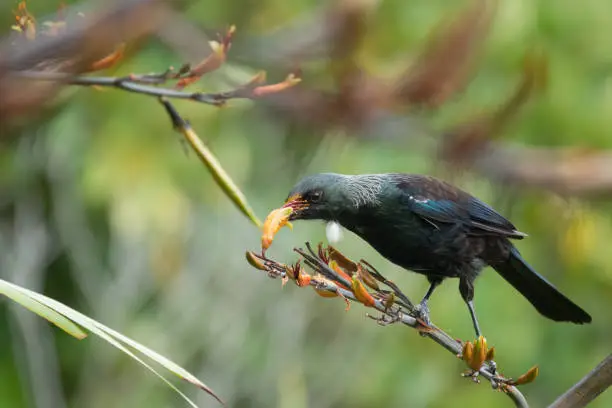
x,y
319,196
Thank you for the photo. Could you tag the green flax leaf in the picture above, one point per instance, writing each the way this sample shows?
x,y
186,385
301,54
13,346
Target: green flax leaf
x,y
65,318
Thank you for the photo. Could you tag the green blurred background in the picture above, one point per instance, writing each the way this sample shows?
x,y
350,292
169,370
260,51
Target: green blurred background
x,y
100,208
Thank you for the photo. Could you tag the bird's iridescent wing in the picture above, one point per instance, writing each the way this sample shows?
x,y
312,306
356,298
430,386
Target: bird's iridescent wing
x,y
485,218
439,202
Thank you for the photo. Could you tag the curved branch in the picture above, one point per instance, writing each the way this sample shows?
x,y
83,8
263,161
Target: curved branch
x,y
588,388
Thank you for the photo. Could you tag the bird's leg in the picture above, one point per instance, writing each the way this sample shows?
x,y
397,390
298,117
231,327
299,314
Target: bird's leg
x,y
422,309
466,288
474,319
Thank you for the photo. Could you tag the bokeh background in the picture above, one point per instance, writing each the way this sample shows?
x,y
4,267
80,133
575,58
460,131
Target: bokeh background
x,y
102,209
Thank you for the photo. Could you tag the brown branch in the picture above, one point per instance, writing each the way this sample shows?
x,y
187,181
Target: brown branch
x,y
328,280
570,170
567,171
588,388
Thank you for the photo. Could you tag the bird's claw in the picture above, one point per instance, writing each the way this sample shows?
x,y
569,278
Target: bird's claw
x,y
421,312
492,365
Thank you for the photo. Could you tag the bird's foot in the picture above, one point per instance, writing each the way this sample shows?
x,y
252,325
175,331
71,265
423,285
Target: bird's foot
x,y
421,312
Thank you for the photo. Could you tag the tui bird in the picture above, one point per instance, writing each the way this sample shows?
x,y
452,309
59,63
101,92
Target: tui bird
x,y
428,226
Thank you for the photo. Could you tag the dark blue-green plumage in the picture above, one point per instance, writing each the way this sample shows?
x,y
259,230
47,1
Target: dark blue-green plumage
x,y
431,227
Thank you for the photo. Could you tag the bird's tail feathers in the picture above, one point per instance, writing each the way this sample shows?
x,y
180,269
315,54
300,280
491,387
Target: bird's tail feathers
x,y
538,291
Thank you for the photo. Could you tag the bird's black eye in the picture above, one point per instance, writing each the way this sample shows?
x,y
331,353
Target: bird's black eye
x,y
315,196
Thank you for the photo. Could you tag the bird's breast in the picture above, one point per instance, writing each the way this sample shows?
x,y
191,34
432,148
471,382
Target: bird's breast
x,y
400,243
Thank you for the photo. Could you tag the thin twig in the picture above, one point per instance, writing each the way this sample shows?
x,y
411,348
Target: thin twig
x,y
588,388
136,84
